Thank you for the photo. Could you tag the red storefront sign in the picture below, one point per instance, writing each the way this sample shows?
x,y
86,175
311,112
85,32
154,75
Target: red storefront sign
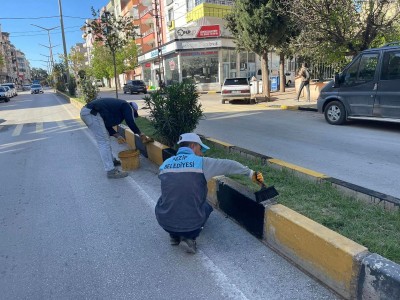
x,y
209,31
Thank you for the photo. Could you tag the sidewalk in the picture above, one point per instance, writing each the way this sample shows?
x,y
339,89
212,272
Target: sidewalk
x,y
286,100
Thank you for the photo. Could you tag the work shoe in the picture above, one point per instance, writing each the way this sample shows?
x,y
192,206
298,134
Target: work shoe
x,y
174,240
116,162
115,174
189,245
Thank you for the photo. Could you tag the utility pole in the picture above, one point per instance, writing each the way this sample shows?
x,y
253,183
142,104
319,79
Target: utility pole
x,y
157,16
63,38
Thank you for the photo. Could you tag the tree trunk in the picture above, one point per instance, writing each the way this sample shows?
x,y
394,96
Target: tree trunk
x,y
265,75
282,77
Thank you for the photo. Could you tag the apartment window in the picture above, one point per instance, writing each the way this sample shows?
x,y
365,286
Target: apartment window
x,y
189,5
170,14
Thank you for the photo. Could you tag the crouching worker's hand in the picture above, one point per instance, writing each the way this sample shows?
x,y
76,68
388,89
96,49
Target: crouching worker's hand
x,y
145,139
258,177
121,140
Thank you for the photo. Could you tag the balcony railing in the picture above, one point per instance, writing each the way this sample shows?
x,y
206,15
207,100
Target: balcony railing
x,y
148,32
219,2
148,9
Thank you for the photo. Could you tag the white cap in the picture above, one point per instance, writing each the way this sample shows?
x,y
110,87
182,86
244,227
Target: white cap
x,y
192,137
134,105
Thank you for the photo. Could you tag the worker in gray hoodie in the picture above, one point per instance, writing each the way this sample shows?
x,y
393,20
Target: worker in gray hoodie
x,y
182,209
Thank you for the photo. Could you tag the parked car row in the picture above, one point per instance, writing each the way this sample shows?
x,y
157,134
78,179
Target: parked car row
x,y
7,91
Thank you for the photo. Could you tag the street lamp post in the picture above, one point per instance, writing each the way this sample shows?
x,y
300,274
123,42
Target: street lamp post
x,y
50,47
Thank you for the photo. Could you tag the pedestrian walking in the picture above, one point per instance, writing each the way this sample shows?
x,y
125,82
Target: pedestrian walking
x,y
182,209
304,73
100,116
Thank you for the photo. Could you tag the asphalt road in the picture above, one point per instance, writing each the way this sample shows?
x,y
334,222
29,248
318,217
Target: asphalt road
x,y
68,232
364,153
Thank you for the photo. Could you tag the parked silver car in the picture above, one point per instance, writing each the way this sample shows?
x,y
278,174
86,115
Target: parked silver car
x,y
237,88
368,88
9,93
3,94
12,87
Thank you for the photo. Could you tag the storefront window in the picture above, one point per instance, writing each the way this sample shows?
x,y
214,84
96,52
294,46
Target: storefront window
x,y
200,66
147,75
225,55
171,70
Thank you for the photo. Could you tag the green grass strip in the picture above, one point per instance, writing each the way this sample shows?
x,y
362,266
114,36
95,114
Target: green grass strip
x,y
369,225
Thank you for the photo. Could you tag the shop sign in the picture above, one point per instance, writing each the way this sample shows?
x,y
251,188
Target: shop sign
x,y
201,44
199,53
205,31
147,65
154,53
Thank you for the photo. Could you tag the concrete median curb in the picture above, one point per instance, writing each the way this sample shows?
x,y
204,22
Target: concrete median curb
x,y
338,262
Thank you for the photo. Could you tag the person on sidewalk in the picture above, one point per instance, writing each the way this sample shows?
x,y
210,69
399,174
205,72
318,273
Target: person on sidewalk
x,y
100,116
304,73
182,209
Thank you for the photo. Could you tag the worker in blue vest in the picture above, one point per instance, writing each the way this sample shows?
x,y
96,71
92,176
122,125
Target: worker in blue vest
x,y
182,209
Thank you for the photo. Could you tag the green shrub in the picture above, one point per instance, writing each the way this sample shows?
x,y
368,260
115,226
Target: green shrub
x,y
60,86
88,90
72,86
173,111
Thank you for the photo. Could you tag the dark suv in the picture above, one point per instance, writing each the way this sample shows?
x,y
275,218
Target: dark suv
x,y
135,86
368,88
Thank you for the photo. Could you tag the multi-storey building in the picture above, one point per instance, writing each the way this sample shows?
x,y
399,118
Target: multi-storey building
x,y
23,68
9,70
196,45
186,40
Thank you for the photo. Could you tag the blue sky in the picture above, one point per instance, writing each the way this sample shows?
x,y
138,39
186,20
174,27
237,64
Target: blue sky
x,y
17,16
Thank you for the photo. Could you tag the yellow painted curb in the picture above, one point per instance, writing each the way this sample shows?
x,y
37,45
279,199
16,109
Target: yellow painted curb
x,y
212,186
223,144
211,92
289,107
297,168
154,152
327,255
130,138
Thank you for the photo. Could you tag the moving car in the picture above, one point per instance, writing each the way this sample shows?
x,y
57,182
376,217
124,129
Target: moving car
x,y
368,88
3,94
36,89
26,87
99,83
135,86
237,88
12,87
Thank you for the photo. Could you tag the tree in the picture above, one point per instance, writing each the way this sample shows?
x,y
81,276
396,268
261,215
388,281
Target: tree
x,y
114,32
257,26
332,30
76,61
39,74
102,62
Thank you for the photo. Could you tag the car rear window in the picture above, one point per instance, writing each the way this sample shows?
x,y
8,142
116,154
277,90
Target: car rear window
x,y
9,85
137,82
236,81
2,89
36,85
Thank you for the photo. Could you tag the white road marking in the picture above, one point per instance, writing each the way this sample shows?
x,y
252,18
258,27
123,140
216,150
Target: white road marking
x,y
39,127
17,130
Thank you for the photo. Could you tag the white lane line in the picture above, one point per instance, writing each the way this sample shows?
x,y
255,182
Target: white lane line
x,y
39,127
221,279
17,130
228,288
